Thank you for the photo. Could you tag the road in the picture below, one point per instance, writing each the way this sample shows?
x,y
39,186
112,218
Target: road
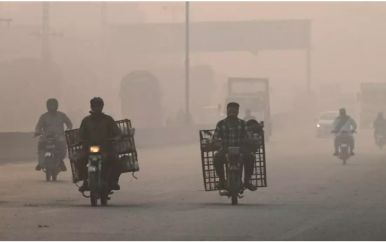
x,y
310,196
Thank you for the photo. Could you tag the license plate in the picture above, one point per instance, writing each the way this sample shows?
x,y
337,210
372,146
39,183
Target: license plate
x,y
92,169
49,147
48,154
344,145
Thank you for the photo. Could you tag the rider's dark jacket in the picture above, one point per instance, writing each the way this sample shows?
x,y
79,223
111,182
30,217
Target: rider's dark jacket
x,y
96,129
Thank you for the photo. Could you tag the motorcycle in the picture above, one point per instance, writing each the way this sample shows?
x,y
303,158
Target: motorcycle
x,y
380,140
99,170
344,146
234,187
51,156
234,170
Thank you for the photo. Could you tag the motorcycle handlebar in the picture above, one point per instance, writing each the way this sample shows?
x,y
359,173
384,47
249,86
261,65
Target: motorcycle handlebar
x,y
41,134
82,141
341,132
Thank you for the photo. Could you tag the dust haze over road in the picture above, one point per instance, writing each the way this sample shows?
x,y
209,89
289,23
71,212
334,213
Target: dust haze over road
x,y
310,196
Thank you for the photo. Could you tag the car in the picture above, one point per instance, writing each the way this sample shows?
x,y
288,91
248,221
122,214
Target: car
x,y
324,124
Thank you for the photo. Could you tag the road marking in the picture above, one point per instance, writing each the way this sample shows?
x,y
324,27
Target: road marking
x,y
161,198
52,210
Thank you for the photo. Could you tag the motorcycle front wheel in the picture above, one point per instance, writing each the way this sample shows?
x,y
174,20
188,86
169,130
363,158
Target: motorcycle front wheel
x,y
93,184
48,169
234,187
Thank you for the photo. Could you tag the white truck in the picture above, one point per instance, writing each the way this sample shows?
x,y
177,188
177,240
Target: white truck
x,y
372,100
252,94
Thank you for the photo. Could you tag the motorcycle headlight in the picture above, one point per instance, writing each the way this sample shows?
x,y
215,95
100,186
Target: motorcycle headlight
x,y
94,149
318,125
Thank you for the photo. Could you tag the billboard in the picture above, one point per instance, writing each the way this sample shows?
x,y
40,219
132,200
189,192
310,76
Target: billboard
x,y
251,36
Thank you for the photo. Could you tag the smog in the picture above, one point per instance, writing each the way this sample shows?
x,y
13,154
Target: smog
x,y
310,73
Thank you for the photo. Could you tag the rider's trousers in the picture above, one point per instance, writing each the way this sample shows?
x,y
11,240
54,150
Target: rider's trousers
x,y
219,161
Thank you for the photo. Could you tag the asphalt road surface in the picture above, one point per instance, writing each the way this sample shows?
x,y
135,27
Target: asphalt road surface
x,y
310,196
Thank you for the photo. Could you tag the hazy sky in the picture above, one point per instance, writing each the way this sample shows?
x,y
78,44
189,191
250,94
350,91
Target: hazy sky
x,y
347,38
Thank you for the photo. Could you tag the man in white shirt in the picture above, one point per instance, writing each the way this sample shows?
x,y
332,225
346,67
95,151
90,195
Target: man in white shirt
x,y
344,123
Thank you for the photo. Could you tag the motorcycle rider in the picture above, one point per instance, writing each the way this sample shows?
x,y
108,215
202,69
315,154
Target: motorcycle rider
x,y
97,128
258,133
379,125
344,123
51,123
232,131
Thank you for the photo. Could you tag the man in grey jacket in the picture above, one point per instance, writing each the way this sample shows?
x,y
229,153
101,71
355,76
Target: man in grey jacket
x,y
344,123
52,123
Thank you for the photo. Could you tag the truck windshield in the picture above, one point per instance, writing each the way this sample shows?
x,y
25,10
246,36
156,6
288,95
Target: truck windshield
x,y
255,104
373,97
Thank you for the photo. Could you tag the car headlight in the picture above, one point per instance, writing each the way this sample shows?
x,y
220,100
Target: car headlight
x,y
94,149
318,125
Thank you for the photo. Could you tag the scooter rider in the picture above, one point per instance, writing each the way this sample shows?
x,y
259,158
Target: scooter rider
x,y
344,123
52,123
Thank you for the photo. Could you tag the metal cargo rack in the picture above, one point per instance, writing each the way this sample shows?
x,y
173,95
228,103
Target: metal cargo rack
x,y
125,147
208,150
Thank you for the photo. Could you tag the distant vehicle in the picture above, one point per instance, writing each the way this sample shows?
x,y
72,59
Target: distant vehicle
x,y
324,124
372,98
141,99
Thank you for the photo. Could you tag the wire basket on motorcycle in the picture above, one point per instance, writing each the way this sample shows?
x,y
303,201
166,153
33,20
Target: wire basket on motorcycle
x,y
124,147
207,142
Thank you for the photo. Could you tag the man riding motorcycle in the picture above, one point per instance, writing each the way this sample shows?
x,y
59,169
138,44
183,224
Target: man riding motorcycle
x,y
379,125
51,123
344,123
232,131
97,128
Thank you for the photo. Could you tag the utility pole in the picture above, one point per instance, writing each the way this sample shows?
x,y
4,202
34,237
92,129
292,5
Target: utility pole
x,y
308,70
46,34
45,48
103,28
104,88
104,61
187,110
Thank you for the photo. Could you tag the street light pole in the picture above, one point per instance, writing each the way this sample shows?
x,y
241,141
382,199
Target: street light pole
x,y
45,49
187,63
